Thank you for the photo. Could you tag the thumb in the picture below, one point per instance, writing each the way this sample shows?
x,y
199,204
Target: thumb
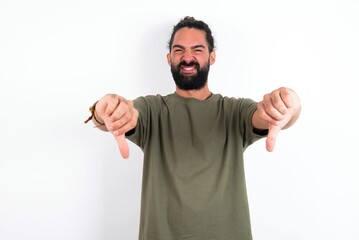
x,y
272,137
122,145
273,131
121,141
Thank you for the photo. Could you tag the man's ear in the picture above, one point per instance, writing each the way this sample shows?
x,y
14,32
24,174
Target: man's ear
x,y
212,57
169,58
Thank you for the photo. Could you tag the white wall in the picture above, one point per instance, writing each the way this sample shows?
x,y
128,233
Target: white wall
x,y
61,179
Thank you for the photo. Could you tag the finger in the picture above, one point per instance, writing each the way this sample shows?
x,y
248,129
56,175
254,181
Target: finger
x,y
272,107
285,94
111,107
277,103
273,131
106,105
272,137
120,139
122,116
122,145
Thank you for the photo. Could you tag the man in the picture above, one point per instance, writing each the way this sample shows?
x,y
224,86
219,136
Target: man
x,y
193,142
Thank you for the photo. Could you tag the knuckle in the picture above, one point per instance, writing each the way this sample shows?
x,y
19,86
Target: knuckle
x,y
109,98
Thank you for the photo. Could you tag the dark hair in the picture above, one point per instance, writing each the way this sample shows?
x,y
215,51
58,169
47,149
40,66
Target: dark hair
x,y
191,22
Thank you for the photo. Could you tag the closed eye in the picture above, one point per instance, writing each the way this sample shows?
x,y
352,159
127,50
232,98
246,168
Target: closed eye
x,y
178,50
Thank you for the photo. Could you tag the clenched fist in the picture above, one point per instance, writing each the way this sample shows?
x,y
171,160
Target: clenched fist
x,y
119,116
278,110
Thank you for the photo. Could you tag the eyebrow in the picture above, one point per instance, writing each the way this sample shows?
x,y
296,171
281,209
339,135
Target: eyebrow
x,y
192,47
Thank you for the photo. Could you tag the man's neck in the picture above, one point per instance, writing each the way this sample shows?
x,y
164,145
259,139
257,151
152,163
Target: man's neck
x,y
200,94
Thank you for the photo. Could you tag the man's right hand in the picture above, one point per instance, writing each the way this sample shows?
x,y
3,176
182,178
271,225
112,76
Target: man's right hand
x,y
119,116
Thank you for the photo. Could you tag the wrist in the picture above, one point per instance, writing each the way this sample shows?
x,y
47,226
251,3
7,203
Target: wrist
x,y
94,117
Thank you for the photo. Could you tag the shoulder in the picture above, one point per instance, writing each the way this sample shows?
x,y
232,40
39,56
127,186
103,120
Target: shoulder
x,y
233,101
152,102
151,98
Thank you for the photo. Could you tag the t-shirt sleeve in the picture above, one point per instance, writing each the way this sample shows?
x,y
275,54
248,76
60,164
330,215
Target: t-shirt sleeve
x,y
148,108
247,107
137,135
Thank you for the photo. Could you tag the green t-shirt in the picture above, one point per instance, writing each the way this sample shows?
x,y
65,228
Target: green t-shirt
x,y
193,185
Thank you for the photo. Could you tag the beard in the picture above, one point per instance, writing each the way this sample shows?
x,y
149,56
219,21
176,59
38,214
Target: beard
x,y
194,82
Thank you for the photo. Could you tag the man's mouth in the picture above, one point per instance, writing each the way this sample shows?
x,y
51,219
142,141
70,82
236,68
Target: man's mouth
x,y
188,69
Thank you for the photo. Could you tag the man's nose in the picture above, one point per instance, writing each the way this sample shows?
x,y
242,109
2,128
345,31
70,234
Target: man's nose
x,y
187,56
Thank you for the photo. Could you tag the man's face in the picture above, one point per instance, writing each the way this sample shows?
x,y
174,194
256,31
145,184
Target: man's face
x,y
190,59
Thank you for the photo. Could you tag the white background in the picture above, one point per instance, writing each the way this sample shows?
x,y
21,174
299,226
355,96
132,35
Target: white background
x,y
62,179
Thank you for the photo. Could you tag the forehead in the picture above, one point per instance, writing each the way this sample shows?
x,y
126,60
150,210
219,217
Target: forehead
x,y
189,37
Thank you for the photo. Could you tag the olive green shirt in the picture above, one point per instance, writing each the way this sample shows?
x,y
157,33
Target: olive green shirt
x,y
193,174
